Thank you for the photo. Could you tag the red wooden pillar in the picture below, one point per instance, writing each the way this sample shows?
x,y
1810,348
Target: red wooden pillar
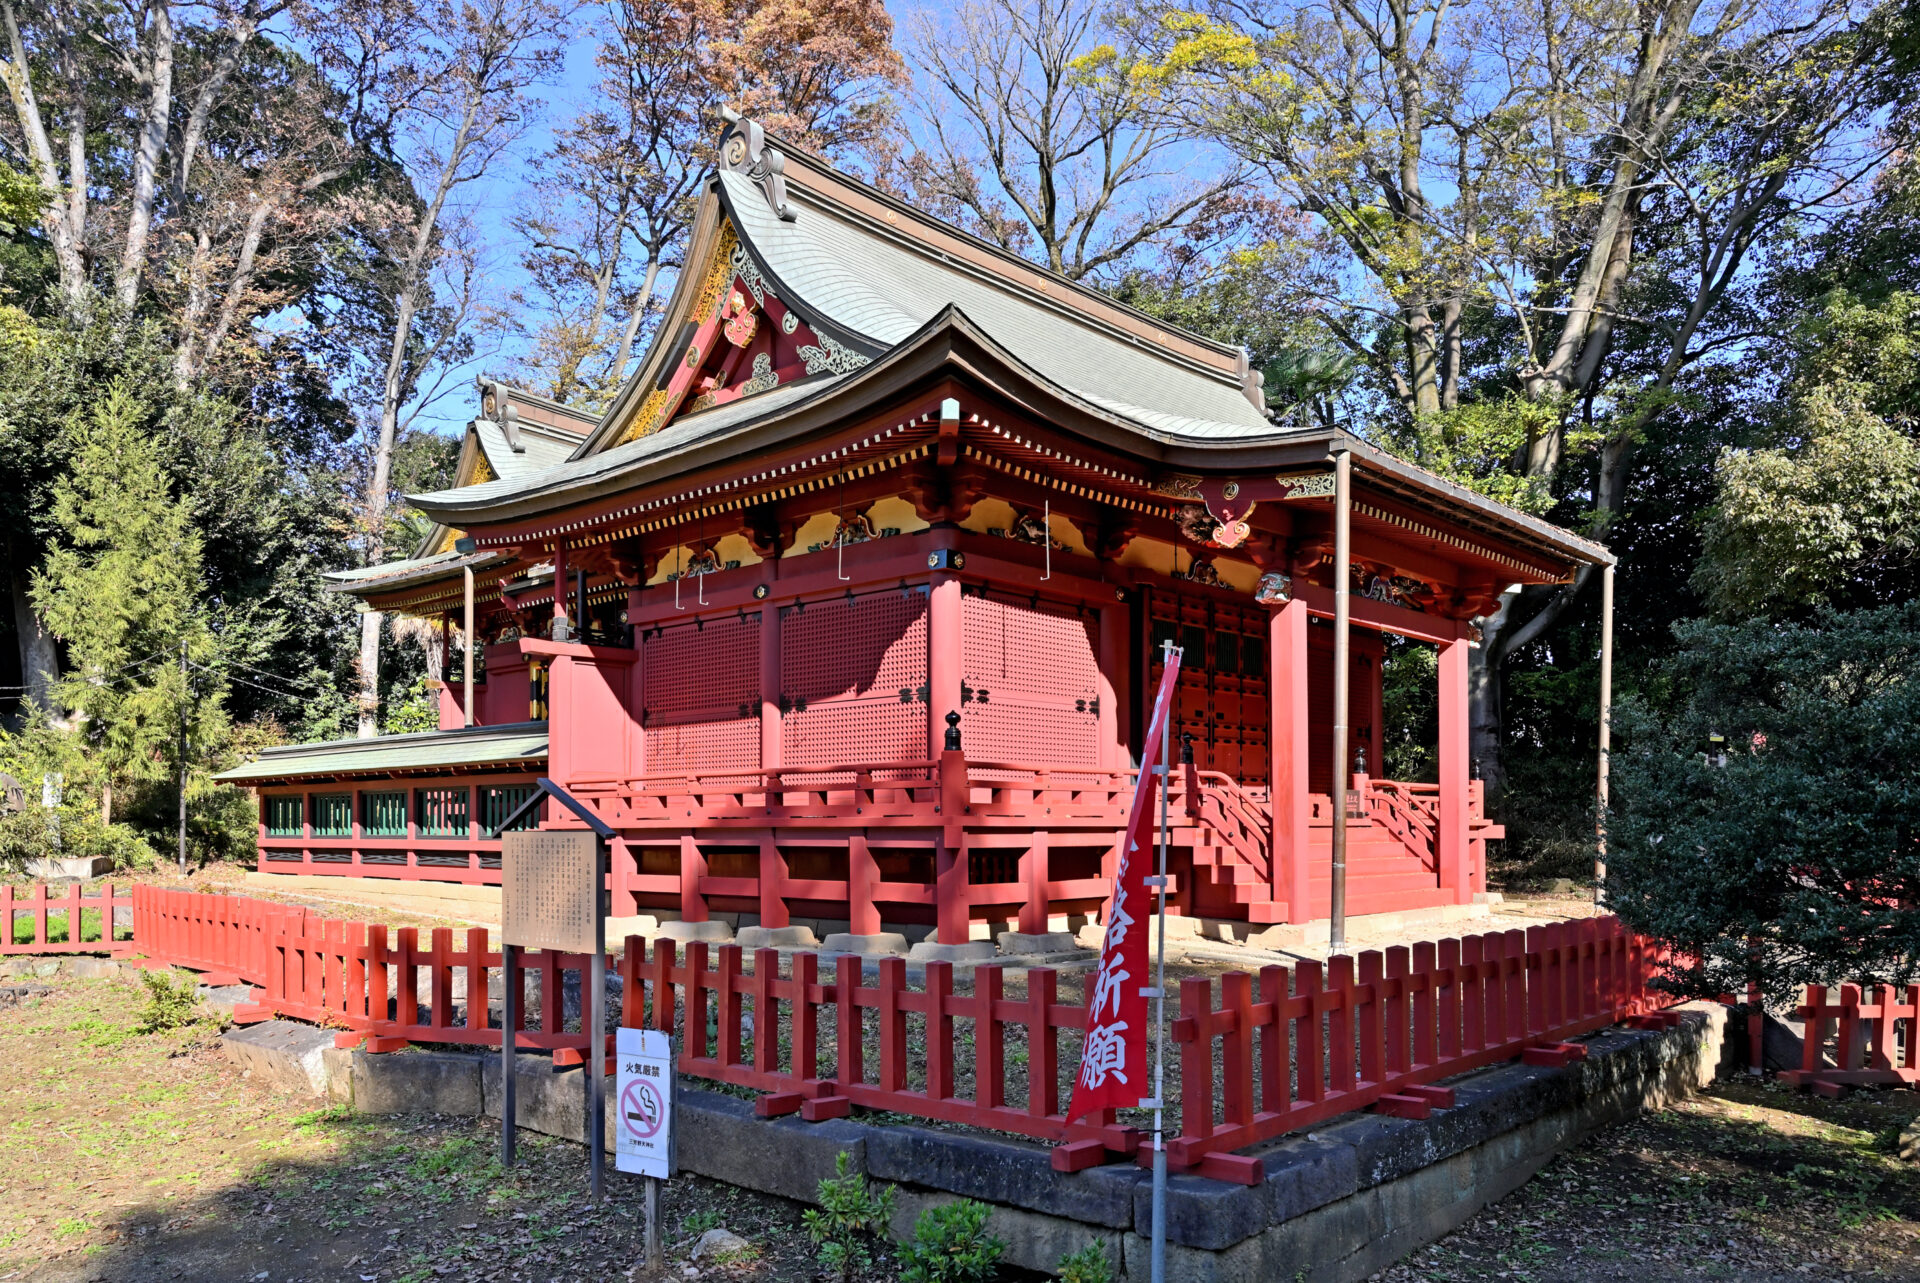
x,y
863,875
636,691
1453,772
773,883
951,894
1033,876
1113,680
560,590
1287,680
944,614
770,750
693,867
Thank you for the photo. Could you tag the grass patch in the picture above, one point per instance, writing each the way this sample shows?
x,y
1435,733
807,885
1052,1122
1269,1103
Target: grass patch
x,y
21,928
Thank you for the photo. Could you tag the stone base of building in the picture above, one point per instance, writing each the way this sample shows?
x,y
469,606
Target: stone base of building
x,y
1339,1203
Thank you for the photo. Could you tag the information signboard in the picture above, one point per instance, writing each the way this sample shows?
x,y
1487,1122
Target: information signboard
x,y
643,1119
551,887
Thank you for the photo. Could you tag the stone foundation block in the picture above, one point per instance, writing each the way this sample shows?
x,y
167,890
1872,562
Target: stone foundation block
x,y
1029,942
417,1082
974,951
776,938
291,1056
719,1137
714,930
881,944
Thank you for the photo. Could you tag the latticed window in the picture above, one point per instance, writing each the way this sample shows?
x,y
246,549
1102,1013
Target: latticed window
x,y
498,801
443,812
383,815
284,814
333,815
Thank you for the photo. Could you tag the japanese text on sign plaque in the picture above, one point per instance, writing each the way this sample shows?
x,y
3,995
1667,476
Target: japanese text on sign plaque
x,y
550,890
643,1103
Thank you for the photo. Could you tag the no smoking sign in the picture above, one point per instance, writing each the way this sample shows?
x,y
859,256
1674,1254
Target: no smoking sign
x,y
643,1125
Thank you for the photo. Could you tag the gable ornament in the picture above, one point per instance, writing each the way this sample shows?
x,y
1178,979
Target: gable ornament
x,y
744,150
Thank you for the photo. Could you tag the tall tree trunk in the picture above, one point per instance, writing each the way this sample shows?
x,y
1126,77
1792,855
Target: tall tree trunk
x,y
237,285
151,140
196,308
58,217
624,352
393,388
39,661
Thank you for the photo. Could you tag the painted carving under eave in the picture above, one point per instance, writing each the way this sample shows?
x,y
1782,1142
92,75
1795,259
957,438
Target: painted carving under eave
x,y
746,341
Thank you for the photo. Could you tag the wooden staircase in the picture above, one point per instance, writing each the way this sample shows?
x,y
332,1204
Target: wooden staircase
x,y
1391,861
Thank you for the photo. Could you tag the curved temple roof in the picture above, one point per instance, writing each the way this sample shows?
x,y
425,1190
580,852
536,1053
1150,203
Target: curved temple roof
x,y
892,292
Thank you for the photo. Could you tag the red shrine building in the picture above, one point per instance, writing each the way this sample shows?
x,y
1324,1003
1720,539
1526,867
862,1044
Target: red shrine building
x,y
850,608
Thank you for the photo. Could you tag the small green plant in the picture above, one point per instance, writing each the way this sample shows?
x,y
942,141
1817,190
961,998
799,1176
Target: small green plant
x,y
171,1002
1088,1265
951,1245
849,1217
694,1224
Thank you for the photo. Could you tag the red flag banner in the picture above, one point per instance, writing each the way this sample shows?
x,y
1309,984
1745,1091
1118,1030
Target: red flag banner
x,y
1113,1064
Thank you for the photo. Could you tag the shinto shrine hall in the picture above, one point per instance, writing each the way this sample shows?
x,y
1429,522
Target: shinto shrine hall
x,y
850,606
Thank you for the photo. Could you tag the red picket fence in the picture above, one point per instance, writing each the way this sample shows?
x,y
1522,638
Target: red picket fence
x,y
1869,1035
1343,1040
74,907
1372,1031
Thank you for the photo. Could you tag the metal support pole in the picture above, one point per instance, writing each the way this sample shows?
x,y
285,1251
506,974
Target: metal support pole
x,y
509,1013
472,641
1342,660
593,1008
1606,735
1158,1263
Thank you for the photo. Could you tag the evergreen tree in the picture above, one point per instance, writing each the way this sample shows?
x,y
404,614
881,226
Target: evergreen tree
x,y
121,588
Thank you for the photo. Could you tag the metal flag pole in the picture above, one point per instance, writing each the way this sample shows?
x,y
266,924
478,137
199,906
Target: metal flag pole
x,y
509,1012
1158,1267
593,1008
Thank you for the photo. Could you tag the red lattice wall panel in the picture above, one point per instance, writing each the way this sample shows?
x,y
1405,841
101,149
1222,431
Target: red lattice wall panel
x,y
700,697
1034,679
853,678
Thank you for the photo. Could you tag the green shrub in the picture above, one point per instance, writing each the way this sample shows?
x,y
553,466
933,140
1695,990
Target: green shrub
x,y
171,1003
1783,850
951,1245
849,1218
1088,1265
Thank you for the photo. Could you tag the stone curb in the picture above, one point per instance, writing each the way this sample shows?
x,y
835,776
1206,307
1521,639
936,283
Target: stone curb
x,y
1344,1200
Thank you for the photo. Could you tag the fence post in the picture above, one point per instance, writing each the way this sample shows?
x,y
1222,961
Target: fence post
x,y
477,1015
989,1037
1236,1048
806,1019
1275,1044
849,1066
1043,1048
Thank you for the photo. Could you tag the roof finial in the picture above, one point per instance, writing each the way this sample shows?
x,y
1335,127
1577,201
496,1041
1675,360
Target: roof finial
x,y
744,150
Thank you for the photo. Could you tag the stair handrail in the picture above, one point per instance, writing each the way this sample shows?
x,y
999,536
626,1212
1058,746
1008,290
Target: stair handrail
x,y
1243,822
1400,811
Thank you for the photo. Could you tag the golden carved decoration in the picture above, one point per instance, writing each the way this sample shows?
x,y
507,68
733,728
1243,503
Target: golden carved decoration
x,y
713,286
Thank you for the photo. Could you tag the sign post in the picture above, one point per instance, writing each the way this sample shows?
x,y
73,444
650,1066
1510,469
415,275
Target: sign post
x,y
1113,1065
643,1117
553,896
